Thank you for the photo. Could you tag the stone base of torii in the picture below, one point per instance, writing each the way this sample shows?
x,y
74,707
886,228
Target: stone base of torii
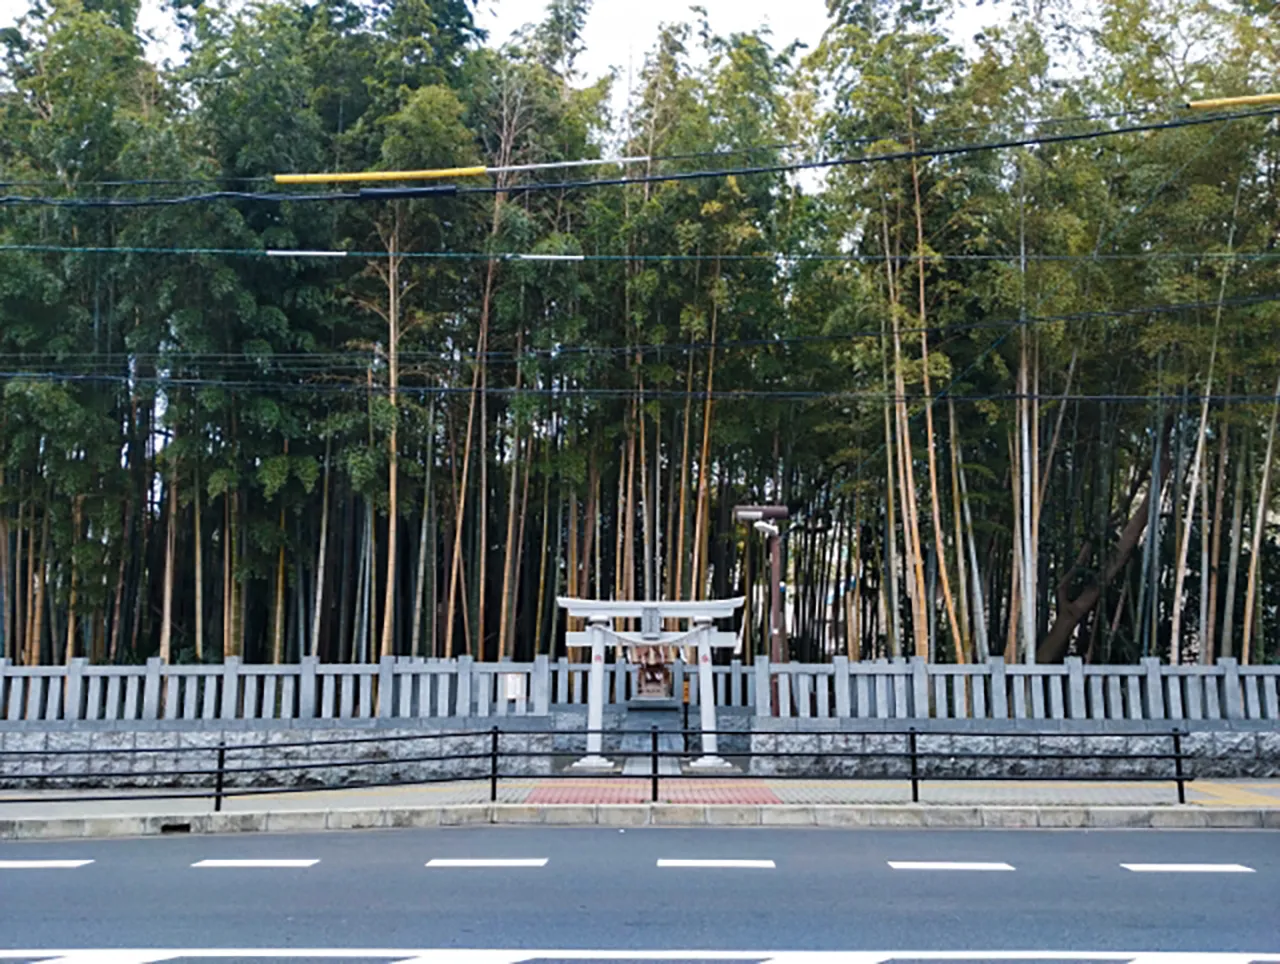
x,y
701,633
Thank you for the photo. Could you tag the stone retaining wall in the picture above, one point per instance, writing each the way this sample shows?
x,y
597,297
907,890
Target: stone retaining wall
x,y
136,755
1022,749
297,755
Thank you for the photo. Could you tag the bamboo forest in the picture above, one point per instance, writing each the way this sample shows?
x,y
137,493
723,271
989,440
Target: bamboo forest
x,y
996,317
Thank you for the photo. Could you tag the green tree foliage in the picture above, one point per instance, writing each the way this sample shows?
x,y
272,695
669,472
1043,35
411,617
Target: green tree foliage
x,y
975,378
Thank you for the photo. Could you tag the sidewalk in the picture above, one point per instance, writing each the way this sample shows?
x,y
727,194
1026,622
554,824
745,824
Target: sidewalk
x,y
1211,794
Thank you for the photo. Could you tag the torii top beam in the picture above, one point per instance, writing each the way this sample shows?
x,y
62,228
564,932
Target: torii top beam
x,y
667,609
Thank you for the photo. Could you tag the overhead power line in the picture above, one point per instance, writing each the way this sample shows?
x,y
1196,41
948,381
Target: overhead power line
x,y
363,389
328,362
773,257
1048,121
444,190
446,173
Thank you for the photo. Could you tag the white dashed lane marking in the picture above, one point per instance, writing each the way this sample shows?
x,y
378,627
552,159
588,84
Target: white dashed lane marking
x,y
947,865
488,862
745,864
43,864
237,864
1188,868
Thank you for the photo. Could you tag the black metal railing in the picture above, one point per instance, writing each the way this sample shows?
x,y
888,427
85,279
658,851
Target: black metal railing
x,y
224,777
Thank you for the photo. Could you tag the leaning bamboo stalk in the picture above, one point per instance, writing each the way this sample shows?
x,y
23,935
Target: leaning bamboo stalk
x,y
77,509
321,553
198,551
1259,524
935,503
388,645
1180,571
508,555
425,546
682,502
1207,654
170,560
1227,647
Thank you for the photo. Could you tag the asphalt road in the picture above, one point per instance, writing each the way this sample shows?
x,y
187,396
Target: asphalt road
x,y
826,890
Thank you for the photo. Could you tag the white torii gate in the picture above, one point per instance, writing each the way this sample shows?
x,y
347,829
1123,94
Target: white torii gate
x,y
600,616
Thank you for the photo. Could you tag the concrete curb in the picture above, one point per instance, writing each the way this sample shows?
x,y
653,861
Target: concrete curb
x,y
647,815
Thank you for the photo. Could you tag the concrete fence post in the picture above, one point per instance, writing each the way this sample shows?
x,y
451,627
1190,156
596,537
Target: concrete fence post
x,y
919,688
1232,706
840,667
999,689
540,684
562,681
151,690
1075,688
230,688
1155,688
386,687
764,699
463,688
307,687
75,688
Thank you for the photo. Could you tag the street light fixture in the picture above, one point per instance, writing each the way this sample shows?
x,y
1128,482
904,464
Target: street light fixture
x,y
765,519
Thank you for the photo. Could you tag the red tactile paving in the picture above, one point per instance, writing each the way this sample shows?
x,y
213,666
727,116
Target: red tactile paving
x,y
718,792
638,791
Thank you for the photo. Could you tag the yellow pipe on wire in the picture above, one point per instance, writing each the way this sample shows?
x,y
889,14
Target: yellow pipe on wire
x,y
1249,100
339,178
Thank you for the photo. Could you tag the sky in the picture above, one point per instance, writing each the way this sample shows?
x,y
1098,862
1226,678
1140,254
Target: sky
x,y
618,33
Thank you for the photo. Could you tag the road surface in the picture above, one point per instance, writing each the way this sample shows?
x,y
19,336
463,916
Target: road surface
x,y
1100,895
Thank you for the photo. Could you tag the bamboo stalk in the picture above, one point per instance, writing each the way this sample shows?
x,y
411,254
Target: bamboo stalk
x,y
170,561
1259,525
197,498
934,502
1207,653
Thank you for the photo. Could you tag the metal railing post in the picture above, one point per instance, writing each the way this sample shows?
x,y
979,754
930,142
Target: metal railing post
x,y
218,780
1177,765
493,765
653,764
915,766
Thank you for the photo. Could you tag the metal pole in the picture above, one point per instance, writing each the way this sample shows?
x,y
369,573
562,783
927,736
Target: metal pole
x,y
653,764
1177,765
915,768
778,630
218,779
493,765
776,644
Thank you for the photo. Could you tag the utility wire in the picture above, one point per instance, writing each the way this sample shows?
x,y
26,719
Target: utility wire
x,y
904,155
328,361
446,190
778,257
362,389
691,155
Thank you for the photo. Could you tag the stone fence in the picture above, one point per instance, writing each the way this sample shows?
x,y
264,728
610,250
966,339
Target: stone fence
x,y
976,750
423,689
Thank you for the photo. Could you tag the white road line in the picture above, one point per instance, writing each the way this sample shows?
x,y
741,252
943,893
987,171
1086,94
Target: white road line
x,y
43,864
748,864
488,862
946,865
237,864
457,956
1188,868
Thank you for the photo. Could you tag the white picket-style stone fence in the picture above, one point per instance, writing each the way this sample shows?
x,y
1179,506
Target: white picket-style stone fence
x,y
413,688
